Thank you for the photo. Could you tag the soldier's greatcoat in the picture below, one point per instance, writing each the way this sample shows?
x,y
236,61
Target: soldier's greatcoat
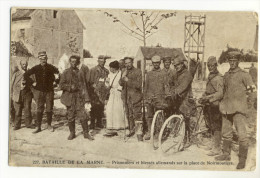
x,y
183,90
77,78
74,99
236,85
156,86
214,88
96,80
132,96
214,93
171,76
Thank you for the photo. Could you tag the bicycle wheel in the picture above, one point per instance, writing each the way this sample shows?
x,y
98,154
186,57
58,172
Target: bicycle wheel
x,y
172,134
200,126
158,120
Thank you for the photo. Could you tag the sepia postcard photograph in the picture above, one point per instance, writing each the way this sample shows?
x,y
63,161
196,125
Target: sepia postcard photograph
x,y
133,88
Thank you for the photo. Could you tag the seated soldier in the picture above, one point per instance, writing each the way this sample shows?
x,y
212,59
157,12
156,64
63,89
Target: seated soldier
x,y
156,89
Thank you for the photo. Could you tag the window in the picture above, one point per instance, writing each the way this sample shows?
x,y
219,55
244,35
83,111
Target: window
x,y
55,14
22,33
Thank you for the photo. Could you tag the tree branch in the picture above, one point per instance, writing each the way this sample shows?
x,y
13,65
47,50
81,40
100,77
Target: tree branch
x,y
156,24
148,18
151,34
132,35
130,29
153,20
135,23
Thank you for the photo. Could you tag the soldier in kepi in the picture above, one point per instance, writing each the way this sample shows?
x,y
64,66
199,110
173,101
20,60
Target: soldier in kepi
x,y
155,92
75,96
181,94
237,84
21,95
98,92
211,99
44,89
131,82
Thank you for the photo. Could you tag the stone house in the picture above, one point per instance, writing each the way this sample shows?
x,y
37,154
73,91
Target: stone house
x,y
56,31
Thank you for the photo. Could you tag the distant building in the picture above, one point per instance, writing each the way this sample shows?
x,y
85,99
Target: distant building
x,y
58,32
148,52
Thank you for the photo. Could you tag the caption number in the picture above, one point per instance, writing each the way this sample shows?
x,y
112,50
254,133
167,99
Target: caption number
x,y
36,162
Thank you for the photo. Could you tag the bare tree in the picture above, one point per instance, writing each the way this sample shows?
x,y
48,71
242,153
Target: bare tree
x,y
143,24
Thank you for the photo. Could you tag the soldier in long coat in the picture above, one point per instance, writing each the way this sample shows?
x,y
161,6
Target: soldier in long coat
x,y
237,84
211,99
75,96
21,95
98,92
155,92
131,82
181,94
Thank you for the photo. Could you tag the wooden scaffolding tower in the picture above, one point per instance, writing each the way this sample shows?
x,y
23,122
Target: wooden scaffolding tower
x,y
194,41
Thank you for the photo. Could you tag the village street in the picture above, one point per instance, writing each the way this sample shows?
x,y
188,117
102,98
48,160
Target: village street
x,y
52,149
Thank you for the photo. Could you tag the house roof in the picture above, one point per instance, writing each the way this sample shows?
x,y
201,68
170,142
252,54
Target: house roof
x,y
22,14
25,14
149,52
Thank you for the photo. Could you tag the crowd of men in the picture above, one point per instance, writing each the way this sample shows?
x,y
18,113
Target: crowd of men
x,y
84,90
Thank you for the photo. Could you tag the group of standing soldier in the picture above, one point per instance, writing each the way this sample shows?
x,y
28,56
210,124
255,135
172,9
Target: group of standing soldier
x,y
226,100
85,91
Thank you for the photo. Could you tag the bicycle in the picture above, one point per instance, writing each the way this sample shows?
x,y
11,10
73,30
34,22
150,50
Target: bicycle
x,y
168,134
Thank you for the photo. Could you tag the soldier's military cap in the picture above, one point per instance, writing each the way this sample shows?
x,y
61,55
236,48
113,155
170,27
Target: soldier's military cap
x,y
42,53
234,55
177,60
212,60
101,57
131,58
156,58
168,58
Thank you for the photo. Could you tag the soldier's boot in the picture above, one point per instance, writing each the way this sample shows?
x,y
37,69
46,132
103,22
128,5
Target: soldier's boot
x,y
100,123
38,122
86,135
49,120
243,150
131,128
187,142
17,124
147,135
226,151
72,130
210,145
216,141
139,130
92,123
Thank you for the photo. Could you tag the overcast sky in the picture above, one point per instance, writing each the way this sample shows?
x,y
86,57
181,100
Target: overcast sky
x,y
102,36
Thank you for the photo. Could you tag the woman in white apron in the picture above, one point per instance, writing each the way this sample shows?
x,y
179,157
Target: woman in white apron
x,y
115,115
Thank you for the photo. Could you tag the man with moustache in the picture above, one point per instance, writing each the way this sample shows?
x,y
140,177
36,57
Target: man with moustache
x,y
211,99
98,92
237,85
181,93
43,89
75,96
131,82
167,68
155,92
21,95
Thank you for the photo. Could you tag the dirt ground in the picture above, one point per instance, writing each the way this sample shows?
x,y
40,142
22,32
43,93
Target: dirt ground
x,y
52,149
